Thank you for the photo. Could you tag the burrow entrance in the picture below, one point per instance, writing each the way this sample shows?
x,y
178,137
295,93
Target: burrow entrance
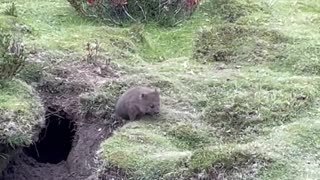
x,y
55,140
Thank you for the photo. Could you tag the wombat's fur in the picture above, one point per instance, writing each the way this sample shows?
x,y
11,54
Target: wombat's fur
x,y
138,101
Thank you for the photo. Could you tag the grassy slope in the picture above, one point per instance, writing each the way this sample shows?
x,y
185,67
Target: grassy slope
x,y
21,112
209,116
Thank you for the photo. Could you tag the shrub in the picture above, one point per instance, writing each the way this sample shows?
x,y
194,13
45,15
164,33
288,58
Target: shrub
x,y
12,56
164,12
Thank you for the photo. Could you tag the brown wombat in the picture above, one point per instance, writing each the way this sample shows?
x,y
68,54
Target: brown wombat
x,y
137,102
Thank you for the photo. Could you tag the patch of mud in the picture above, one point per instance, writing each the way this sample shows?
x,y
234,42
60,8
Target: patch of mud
x,y
61,85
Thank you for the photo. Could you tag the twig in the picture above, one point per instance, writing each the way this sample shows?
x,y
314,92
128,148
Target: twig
x,y
128,13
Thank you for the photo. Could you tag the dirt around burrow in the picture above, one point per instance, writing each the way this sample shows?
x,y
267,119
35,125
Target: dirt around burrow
x,y
60,87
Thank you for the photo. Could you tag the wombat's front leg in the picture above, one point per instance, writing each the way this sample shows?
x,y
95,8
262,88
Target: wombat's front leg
x,y
133,112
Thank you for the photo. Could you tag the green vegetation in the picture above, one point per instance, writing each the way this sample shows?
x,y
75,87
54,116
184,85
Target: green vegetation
x,y
123,12
12,56
257,99
238,43
158,156
21,113
239,87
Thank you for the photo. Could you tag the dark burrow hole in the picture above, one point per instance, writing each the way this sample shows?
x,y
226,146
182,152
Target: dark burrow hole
x,y
55,140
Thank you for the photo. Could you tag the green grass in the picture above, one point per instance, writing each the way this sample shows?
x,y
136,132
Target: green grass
x,y
257,117
157,156
21,111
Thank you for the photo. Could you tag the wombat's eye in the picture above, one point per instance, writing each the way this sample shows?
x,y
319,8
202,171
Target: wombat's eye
x,y
152,106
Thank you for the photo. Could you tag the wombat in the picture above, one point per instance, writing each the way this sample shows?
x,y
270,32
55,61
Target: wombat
x,y
137,102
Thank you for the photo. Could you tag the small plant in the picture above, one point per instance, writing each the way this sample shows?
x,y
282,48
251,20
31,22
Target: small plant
x,y
92,50
12,56
12,10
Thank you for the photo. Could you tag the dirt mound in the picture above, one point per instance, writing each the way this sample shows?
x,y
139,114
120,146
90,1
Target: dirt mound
x,y
67,146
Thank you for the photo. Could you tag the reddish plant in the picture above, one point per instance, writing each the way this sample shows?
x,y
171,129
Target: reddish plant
x,y
90,2
191,4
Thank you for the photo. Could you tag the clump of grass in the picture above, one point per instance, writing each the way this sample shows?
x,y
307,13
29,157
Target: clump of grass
x,y
32,72
21,112
12,56
245,104
12,10
238,43
188,136
231,10
142,152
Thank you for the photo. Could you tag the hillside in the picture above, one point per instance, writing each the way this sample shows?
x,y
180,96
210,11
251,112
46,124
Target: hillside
x,y
239,94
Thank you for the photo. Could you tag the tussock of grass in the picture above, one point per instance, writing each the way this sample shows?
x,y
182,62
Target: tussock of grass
x,y
230,42
32,72
187,136
21,113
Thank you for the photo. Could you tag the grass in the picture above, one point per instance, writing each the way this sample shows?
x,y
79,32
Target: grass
x,y
158,152
239,97
21,111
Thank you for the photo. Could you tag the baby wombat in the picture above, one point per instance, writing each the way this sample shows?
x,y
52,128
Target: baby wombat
x,y
138,101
